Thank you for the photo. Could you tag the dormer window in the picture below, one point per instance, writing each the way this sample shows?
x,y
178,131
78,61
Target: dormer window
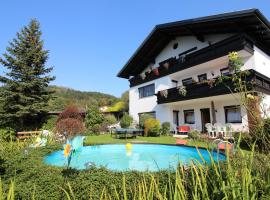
x,y
175,45
202,77
187,81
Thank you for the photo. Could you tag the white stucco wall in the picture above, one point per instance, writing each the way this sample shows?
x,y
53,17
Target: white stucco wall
x,y
147,104
262,62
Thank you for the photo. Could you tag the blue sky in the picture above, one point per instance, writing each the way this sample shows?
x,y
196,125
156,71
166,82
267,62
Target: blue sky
x,y
90,41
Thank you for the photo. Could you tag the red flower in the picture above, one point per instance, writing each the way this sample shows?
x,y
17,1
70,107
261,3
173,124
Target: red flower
x,y
156,72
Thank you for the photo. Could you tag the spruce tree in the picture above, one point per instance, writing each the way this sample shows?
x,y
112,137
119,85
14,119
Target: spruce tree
x,y
25,92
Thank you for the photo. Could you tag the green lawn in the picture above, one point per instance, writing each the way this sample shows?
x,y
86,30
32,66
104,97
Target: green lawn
x,y
108,139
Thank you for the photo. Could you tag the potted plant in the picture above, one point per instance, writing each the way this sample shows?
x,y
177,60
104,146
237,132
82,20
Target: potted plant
x,y
164,93
182,90
166,65
142,75
156,72
211,82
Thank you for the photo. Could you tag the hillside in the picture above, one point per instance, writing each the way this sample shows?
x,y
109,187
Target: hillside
x,y
66,96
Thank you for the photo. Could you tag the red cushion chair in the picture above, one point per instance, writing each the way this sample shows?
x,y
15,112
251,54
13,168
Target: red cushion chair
x,y
183,129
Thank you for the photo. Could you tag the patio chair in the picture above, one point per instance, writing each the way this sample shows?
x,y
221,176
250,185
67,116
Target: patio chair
x,y
228,131
219,129
183,129
225,145
210,130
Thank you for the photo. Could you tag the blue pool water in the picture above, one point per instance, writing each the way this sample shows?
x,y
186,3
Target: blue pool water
x,y
141,157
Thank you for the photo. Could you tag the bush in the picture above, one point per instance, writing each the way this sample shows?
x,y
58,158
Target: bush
x,y
194,134
70,126
126,121
50,124
70,122
165,128
110,119
143,118
151,127
7,134
94,118
70,112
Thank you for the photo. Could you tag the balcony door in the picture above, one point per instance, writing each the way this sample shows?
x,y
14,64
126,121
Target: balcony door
x,y
205,117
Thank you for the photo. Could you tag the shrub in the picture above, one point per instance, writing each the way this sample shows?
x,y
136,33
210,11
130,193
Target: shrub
x,y
70,126
151,127
194,134
126,121
70,122
70,112
7,134
143,118
93,118
110,119
165,128
50,124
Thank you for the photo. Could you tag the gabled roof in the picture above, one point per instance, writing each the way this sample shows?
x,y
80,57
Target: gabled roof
x,y
251,22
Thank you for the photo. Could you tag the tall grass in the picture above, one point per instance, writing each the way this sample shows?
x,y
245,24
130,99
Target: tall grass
x,y
215,181
242,176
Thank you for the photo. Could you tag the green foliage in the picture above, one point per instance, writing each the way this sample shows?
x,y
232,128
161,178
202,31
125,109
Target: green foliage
x,y
143,118
110,119
151,127
50,124
126,121
7,134
125,99
194,134
94,119
117,107
25,93
64,97
165,128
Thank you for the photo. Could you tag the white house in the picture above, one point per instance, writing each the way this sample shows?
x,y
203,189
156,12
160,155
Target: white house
x,y
188,53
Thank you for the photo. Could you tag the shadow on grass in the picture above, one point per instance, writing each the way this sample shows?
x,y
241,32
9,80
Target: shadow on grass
x,y
70,172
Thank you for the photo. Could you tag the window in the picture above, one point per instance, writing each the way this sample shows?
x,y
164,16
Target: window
x,y
189,116
225,71
175,83
202,77
187,81
233,114
175,45
147,91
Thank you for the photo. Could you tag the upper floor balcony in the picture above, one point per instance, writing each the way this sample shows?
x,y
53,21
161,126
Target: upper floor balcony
x,y
255,81
192,58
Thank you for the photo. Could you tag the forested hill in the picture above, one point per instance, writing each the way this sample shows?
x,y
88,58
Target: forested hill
x,y
66,96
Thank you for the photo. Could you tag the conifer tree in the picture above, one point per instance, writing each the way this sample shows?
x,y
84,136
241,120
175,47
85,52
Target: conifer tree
x,y
25,93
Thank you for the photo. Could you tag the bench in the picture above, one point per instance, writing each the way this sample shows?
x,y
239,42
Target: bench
x,y
27,134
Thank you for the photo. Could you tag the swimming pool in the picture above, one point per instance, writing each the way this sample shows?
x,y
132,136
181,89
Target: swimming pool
x,y
141,157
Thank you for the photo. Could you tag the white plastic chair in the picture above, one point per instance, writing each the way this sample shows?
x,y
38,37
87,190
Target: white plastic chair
x,y
219,129
228,131
210,130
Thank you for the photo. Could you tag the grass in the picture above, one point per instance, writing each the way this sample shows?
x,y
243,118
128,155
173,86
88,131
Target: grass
x,y
108,139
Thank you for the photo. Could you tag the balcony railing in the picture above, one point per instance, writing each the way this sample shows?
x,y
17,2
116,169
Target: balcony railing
x,y
255,82
172,65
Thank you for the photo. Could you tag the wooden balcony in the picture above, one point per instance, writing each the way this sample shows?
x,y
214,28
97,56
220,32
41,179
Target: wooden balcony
x,y
193,58
255,82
